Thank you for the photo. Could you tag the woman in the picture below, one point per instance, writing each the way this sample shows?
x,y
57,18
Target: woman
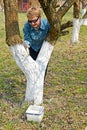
x,y
35,31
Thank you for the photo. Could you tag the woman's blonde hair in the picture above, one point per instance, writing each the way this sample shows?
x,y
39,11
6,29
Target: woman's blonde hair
x,y
33,11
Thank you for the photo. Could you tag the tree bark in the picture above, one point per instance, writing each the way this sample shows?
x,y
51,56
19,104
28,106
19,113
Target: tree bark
x,y
85,13
11,22
83,21
55,16
76,22
76,9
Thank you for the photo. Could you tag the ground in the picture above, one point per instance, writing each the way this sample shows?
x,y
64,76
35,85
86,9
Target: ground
x,y
65,89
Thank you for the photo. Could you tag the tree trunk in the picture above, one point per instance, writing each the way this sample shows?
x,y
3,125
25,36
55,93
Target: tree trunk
x,y
84,13
55,16
76,23
33,70
11,24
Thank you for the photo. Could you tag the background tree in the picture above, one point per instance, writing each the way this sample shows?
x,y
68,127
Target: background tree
x,y
78,20
1,5
76,24
55,16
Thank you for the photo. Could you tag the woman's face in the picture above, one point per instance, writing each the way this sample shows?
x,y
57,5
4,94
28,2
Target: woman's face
x,y
35,22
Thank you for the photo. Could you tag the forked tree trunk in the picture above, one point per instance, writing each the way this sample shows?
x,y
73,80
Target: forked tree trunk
x,y
33,70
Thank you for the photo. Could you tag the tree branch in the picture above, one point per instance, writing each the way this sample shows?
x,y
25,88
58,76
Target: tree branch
x,y
54,16
66,25
65,7
85,15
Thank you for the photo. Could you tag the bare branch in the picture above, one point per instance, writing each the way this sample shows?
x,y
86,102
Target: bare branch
x,y
66,25
65,7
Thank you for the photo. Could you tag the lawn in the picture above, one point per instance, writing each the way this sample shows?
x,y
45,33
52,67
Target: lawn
x,y
65,91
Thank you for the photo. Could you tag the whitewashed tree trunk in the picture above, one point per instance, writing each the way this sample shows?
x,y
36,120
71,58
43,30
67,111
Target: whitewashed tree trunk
x,y
27,65
83,21
34,70
42,60
76,29
83,11
77,23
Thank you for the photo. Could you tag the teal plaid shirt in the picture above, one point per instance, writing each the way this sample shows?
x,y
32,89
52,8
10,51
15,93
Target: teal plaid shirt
x,y
36,37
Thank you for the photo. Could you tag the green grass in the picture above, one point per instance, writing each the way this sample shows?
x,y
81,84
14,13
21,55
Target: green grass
x,y
65,91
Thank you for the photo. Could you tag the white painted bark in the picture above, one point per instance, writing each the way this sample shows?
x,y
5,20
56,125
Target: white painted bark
x,y
27,65
76,29
83,11
83,21
3,16
42,60
33,70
